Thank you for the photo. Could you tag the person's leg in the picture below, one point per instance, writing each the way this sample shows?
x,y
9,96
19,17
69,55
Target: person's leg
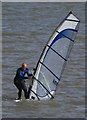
x,y
19,93
29,91
18,85
24,89
30,86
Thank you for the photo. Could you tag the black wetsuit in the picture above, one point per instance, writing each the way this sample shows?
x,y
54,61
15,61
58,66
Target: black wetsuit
x,y
19,81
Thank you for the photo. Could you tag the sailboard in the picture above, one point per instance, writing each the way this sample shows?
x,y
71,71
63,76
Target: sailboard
x,y
18,100
51,64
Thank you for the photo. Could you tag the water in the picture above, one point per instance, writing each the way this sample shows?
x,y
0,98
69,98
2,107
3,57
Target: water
x,y
26,28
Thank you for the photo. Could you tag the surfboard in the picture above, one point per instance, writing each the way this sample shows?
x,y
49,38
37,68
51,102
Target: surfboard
x,y
21,100
17,100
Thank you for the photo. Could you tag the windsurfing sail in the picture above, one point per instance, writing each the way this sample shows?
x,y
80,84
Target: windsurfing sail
x,y
52,61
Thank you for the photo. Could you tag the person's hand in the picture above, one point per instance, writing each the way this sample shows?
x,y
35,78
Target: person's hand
x,y
30,78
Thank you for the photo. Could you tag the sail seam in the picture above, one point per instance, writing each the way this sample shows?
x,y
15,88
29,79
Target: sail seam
x,y
49,70
66,36
57,53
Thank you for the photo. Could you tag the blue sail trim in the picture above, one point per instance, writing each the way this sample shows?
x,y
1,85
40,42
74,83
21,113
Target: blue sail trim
x,y
67,37
67,32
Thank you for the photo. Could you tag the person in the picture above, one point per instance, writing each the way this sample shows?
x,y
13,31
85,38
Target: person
x,y
19,80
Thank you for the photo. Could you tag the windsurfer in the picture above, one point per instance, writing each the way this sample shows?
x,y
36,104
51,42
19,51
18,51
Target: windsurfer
x,y
19,80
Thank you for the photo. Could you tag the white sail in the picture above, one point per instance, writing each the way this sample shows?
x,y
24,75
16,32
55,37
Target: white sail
x,y
53,58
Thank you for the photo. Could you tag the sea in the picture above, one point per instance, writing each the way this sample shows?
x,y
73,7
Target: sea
x,y
26,28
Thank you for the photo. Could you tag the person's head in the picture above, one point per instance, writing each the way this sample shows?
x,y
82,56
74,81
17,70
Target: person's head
x,y
24,65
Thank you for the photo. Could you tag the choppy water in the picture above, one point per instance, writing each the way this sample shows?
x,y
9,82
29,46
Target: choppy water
x,y
26,28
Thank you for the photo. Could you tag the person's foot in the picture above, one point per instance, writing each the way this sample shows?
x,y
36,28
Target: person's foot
x,y
18,99
27,99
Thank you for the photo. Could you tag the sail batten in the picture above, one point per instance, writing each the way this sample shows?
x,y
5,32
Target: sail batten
x,y
72,20
57,53
50,70
52,61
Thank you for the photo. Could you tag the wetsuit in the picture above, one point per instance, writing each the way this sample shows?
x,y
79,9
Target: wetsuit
x,y
19,81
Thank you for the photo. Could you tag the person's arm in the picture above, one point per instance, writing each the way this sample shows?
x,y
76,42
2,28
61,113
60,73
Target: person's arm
x,y
21,75
29,74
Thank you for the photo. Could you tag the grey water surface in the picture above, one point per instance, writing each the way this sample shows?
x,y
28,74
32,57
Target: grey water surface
x,y
26,28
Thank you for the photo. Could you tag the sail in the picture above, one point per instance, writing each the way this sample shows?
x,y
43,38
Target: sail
x,y
52,61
